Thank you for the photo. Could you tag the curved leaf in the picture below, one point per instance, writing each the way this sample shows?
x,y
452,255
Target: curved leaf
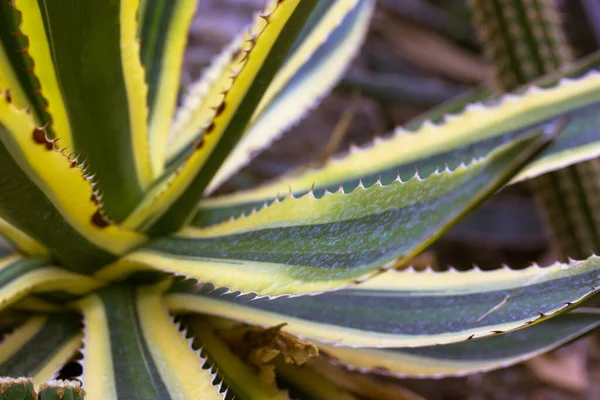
x,y
475,132
41,346
39,182
305,245
470,357
134,351
23,242
408,308
332,37
22,276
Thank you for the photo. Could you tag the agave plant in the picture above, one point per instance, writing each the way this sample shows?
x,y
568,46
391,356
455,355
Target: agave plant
x,y
123,253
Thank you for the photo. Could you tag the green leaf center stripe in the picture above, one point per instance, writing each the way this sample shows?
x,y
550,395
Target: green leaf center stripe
x,y
305,245
134,351
383,312
163,38
456,134
348,239
156,20
41,346
136,374
474,356
101,79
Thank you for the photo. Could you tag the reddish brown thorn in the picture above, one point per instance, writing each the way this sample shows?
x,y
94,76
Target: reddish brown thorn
x,y
39,136
199,144
8,96
99,220
210,128
219,110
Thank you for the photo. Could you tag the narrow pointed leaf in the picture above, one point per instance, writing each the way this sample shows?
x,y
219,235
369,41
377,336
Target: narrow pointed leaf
x,y
134,351
411,309
480,128
334,33
102,83
261,55
39,182
470,357
306,245
41,346
163,33
22,276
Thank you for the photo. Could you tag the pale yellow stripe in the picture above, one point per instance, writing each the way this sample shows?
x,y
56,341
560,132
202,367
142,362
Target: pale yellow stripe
x,y
166,95
46,280
32,26
245,71
57,361
98,376
267,125
325,333
137,91
476,123
64,186
179,366
17,339
21,240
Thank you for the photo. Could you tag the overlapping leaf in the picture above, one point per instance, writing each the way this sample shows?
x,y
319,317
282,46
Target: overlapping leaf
x,y
40,347
99,75
40,183
470,357
306,245
238,92
407,308
476,131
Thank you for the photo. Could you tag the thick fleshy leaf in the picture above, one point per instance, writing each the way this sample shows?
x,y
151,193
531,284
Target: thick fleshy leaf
x,y
307,245
41,346
333,35
134,351
23,242
473,356
163,34
101,79
22,276
475,132
241,379
247,77
39,182
408,308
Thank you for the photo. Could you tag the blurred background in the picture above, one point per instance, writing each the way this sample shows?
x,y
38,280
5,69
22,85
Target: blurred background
x,y
418,54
